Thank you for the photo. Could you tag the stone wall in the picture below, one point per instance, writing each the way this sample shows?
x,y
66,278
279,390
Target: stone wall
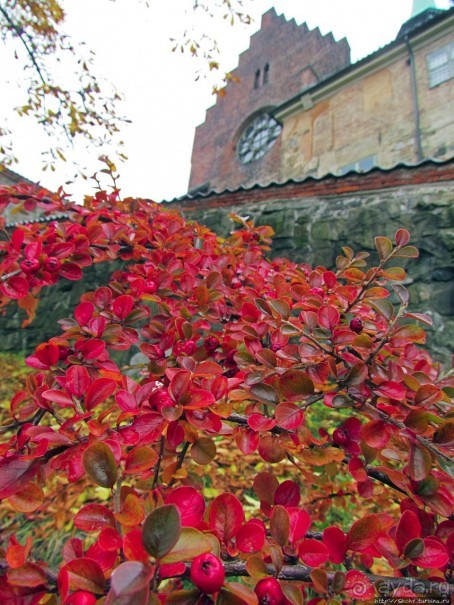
x,y
55,303
313,221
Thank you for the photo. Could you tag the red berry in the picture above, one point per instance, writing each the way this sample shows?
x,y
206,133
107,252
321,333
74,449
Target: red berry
x,y
150,286
81,597
189,347
52,264
64,352
30,265
341,437
207,573
356,325
269,592
211,343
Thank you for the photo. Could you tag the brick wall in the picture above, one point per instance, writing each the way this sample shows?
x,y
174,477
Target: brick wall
x,y
296,57
372,115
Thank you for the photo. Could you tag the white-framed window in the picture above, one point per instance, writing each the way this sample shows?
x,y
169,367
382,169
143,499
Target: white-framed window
x,y
257,138
440,65
362,165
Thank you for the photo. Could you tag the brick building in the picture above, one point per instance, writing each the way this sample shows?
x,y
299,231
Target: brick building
x,y
300,108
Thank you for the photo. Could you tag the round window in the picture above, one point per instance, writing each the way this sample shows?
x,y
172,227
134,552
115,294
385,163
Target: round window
x,y
258,137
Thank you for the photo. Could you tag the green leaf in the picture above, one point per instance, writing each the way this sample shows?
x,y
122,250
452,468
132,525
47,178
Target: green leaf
x,y
445,434
191,543
161,530
357,374
295,383
364,532
265,393
446,465
420,462
292,593
414,548
183,597
408,252
384,307
384,247
99,464
280,308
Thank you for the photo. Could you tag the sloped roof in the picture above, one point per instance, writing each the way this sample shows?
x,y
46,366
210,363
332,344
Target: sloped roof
x,y
200,195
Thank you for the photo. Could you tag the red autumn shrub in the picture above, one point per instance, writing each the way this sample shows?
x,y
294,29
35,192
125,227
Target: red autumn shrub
x,y
240,353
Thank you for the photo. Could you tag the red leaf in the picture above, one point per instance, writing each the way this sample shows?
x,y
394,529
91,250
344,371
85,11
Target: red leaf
x,y
313,552
287,494
364,532
199,398
247,440
133,547
258,422
408,528
226,516
419,463
99,391
190,503
93,517
358,586
251,537
299,523
16,287
91,348
29,575
125,401
62,250
130,583
375,433
59,397
83,313
265,486
122,306
289,416
402,237
15,473
434,555
84,574
179,386
77,381
390,389
110,539
330,279
328,317
336,542
356,469
71,271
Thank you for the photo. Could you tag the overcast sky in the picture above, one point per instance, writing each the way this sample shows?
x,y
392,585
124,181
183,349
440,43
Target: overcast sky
x,y
162,98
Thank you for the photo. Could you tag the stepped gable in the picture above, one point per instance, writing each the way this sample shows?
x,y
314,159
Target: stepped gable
x,y
282,59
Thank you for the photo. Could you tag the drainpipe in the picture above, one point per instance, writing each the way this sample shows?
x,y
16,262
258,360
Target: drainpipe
x,y
414,93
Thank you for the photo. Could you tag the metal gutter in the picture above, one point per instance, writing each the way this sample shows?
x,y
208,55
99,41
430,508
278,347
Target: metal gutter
x,y
414,96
